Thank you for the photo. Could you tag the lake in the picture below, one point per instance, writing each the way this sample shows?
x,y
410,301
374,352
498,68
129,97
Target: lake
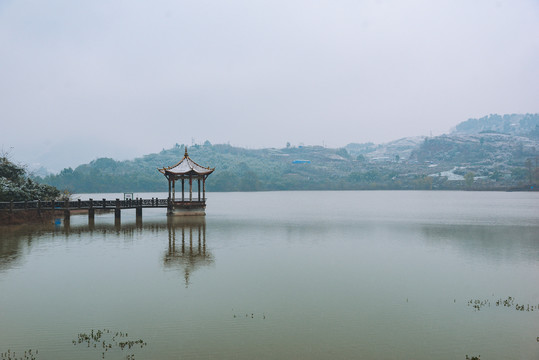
x,y
280,275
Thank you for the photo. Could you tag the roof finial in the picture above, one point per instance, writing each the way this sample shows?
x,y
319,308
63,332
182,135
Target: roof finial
x,y
186,151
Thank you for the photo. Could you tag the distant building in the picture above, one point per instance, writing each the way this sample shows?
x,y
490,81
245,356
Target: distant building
x,y
301,162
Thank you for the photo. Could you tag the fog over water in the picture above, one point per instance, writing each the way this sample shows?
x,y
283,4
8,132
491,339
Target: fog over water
x,y
81,80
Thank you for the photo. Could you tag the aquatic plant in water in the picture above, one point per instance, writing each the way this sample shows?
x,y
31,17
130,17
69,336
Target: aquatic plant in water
x,y
478,304
12,355
107,340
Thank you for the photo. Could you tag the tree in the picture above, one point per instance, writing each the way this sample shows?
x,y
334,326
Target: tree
x,y
519,173
15,185
530,172
424,182
495,175
342,152
469,178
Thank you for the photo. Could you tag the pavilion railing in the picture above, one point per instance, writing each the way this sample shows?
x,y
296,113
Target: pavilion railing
x,y
202,200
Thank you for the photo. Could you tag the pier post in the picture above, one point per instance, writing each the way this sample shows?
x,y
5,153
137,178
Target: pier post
x,y
39,207
91,212
117,211
138,212
79,203
67,214
10,211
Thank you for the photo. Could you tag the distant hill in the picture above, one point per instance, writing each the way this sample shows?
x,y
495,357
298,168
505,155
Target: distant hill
x,y
402,148
238,169
513,124
486,149
490,158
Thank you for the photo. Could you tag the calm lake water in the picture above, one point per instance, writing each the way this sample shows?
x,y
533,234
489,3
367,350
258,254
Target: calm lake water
x,y
281,275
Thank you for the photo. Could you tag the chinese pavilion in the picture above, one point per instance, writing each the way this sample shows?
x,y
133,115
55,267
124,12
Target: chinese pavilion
x,y
188,170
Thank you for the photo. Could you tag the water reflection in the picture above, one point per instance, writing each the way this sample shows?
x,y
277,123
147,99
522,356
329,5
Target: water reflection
x,y
14,239
187,247
186,239
494,242
191,253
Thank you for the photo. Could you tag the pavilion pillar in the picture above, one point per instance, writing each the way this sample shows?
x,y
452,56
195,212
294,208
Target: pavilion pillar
x,y
199,239
204,188
190,188
183,189
174,189
204,238
183,239
198,189
169,190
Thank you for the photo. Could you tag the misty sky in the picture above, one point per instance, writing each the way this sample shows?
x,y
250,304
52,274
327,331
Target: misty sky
x,y
87,79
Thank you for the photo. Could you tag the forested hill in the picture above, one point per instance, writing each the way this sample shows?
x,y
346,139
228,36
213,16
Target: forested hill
x,y
494,152
482,161
512,124
237,169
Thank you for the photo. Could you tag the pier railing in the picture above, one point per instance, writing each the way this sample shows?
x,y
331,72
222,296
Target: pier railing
x,y
84,204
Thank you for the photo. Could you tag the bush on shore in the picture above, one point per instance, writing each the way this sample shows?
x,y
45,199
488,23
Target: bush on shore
x,y
16,185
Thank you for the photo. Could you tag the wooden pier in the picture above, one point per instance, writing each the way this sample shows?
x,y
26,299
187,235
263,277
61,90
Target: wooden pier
x,y
185,171
90,206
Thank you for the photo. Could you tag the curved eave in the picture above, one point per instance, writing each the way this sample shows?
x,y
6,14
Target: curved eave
x,y
185,173
175,165
190,164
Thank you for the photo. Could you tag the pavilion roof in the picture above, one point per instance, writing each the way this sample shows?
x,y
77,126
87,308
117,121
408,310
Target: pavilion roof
x,y
186,166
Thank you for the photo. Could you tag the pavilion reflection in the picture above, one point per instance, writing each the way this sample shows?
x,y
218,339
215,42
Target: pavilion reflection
x,y
187,245
187,250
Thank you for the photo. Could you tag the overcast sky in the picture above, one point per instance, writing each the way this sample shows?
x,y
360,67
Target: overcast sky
x,y
87,79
